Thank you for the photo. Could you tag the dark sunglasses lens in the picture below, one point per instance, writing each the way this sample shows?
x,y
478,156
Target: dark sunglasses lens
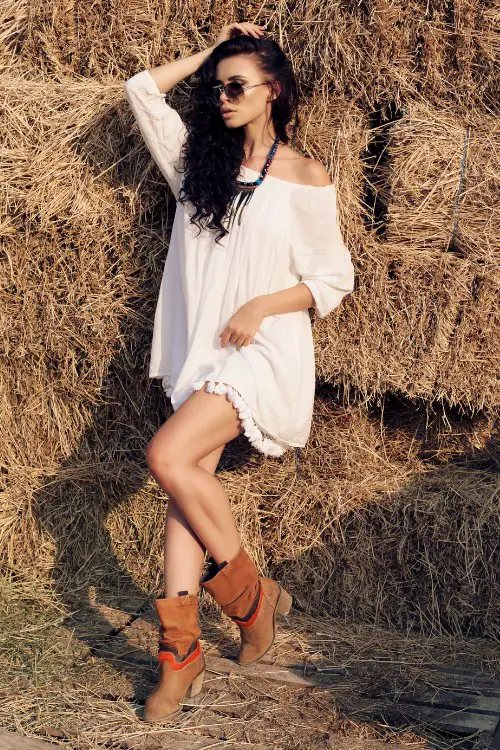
x,y
234,91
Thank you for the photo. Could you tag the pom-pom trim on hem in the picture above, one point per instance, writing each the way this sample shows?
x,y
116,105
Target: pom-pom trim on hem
x,y
259,440
168,385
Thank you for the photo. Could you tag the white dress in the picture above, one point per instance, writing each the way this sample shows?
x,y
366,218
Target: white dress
x,y
288,233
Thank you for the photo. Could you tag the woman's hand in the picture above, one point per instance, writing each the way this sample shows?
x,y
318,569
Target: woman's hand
x,y
244,324
236,29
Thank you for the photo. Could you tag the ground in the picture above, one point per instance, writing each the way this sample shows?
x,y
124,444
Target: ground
x,y
79,677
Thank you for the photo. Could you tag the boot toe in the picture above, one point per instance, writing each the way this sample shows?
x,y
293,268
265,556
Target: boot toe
x,y
251,652
161,712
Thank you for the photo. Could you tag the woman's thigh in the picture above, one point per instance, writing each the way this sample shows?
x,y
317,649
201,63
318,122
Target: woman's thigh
x,y
202,425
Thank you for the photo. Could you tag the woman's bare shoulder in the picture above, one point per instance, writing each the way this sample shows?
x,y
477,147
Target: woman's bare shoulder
x,y
303,170
314,173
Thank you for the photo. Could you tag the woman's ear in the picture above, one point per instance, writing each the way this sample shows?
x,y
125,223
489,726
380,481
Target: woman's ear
x,y
275,89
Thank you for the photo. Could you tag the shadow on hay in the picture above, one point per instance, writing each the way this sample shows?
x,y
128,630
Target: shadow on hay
x,y
98,517
122,569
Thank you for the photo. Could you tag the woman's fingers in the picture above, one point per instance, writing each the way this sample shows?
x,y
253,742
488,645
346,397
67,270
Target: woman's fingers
x,y
257,31
234,339
248,28
252,29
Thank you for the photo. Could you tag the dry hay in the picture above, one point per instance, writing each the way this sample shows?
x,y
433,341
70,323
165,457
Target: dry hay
x,y
439,169
372,51
423,320
85,217
78,258
74,186
419,327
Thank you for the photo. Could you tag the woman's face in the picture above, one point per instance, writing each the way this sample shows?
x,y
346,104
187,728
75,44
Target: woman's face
x,y
255,101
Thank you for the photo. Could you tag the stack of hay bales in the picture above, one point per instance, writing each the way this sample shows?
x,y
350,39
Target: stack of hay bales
x,y
390,514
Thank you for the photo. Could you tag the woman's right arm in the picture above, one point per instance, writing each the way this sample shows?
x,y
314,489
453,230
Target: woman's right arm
x,y
161,126
167,76
171,73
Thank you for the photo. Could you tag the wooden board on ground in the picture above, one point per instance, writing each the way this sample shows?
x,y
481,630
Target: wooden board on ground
x,y
276,672
15,741
454,711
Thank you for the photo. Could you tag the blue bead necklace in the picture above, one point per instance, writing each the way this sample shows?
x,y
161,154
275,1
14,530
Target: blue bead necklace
x,y
245,190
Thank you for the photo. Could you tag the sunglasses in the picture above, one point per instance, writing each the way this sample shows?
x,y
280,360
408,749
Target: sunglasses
x,y
234,91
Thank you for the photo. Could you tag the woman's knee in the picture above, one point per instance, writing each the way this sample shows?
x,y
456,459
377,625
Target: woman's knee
x,y
196,432
160,458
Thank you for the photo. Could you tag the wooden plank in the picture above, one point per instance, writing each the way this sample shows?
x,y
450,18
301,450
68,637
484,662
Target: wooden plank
x,y
461,679
276,672
177,740
226,667
326,670
454,699
170,740
15,741
459,721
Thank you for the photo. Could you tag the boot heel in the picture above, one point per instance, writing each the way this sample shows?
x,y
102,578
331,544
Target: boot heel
x,y
195,686
284,602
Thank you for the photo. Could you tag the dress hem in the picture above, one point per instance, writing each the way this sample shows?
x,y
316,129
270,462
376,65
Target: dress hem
x,y
266,444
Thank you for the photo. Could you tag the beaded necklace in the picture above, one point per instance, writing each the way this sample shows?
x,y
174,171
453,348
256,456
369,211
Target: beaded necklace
x,y
245,190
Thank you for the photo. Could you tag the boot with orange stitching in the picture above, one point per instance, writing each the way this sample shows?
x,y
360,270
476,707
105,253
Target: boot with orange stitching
x,y
180,659
250,600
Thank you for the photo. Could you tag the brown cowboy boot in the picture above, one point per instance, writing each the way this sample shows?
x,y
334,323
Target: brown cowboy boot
x,y
250,600
181,660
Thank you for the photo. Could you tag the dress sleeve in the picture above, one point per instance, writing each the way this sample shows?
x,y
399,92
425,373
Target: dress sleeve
x,y
161,126
320,255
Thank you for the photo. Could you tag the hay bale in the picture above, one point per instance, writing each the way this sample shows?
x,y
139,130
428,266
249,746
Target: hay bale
x,y
422,320
376,51
82,253
84,230
439,181
471,365
423,330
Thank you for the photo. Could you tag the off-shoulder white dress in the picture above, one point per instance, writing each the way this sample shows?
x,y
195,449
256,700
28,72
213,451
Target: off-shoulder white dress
x,y
288,233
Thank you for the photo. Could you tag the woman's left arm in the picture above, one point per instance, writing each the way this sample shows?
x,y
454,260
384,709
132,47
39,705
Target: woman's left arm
x,y
321,259
320,255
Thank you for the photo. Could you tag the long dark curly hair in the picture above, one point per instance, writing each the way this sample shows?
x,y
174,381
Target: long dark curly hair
x,y
212,154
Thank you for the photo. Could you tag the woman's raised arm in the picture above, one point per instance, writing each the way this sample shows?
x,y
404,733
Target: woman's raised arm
x,y
161,126
169,74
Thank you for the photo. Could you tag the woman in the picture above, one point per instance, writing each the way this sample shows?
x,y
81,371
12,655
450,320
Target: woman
x,y
255,243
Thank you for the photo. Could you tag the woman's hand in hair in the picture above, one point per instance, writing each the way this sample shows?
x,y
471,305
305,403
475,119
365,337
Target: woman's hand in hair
x,y
244,324
236,29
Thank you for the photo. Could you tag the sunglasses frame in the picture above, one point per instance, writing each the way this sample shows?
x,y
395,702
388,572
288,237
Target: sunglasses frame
x,y
236,99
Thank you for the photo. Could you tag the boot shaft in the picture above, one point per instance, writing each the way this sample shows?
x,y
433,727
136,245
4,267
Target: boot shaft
x,y
235,586
250,600
181,662
178,630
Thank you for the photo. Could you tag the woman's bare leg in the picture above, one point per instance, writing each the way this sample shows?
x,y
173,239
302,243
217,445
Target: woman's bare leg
x,y
184,554
201,425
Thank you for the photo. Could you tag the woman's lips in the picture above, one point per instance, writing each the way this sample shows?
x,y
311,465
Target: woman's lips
x,y
227,114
